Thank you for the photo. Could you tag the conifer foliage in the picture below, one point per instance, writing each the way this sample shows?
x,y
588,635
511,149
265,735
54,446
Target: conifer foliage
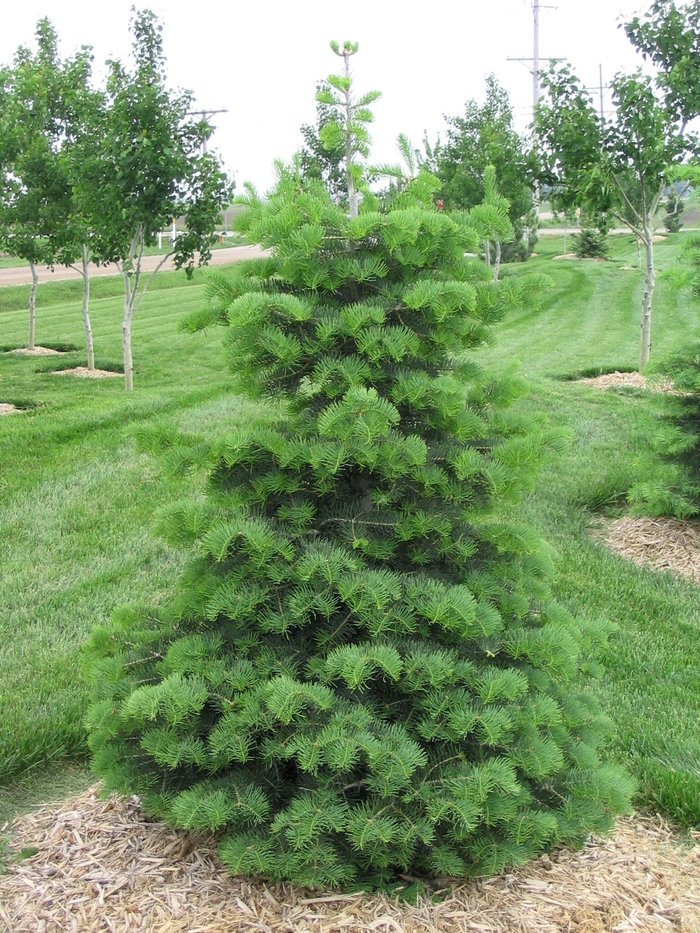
x,y
363,675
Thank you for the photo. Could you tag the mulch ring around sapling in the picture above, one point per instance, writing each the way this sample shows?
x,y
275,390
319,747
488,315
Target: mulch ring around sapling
x,y
100,865
669,544
37,351
85,372
634,380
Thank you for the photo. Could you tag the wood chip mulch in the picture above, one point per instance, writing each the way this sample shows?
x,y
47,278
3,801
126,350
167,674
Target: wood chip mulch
x,y
6,408
627,380
664,543
581,258
101,866
38,351
86,373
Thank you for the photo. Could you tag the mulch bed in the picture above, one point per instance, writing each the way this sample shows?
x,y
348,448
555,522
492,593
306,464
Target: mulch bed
x,y
664,543
581,258
668,544
101,866
37,351
628,380
86,373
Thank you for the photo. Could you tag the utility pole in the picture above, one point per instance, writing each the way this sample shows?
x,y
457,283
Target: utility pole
x,y
536,7
536,55
204,114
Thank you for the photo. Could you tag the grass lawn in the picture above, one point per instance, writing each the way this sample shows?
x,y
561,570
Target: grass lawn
x,y
77,504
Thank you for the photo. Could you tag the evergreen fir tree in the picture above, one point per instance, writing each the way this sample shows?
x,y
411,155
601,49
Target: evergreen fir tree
x,y
363,674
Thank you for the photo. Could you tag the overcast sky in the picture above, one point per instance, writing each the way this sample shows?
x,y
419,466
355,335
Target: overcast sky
x,y
261,61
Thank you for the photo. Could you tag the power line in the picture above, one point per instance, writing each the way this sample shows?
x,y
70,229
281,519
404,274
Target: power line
x,y
205,114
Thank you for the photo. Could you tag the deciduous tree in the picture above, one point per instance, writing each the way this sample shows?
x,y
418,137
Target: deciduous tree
x,y
620,166
485,136
141,165
43,100
318,160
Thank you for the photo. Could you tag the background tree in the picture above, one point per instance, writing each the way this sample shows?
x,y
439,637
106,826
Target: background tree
x,y
87,105
316,159
141,165
620,167
491,220
669,36
42,108
485,136
410,181
674,209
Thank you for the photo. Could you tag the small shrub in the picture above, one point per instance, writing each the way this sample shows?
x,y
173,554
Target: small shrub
x,y
674,209
590,244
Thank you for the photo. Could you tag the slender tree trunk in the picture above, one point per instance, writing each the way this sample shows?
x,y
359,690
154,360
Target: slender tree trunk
x,y
649,282
353,200
131,277
497,260
32,306
126,335
127,359
86,310
352,193
487,252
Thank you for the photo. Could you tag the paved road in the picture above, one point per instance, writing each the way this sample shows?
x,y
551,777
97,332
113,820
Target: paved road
x,y
20,275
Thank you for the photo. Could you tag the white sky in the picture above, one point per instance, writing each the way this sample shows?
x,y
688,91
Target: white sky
x,y
262,60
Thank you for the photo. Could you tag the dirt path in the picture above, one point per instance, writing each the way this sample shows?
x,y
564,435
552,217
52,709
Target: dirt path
x,y
20,275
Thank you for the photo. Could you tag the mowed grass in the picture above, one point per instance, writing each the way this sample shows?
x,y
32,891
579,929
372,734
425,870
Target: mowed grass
x,y
589,321
77,500
77,503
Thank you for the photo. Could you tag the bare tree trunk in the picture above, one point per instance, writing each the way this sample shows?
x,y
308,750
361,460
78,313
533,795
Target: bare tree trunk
x,y
649,282
126,333
32,306
497,260
131,277
487,252
86,310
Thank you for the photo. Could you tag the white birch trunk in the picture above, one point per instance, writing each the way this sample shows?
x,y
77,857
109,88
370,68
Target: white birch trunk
x,y
131,277
487,252
86,310
32,306
127,358
649,282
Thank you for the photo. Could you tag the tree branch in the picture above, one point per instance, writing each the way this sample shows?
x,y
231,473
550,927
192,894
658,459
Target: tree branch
x,y
150,278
